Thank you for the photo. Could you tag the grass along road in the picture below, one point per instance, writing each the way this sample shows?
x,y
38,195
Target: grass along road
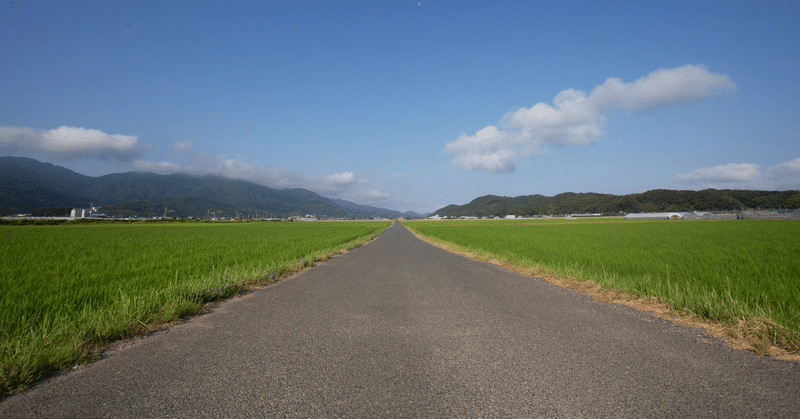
x,y
740,278
400,328
70,288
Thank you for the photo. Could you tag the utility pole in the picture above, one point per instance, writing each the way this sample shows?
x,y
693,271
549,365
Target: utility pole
x,y
165,213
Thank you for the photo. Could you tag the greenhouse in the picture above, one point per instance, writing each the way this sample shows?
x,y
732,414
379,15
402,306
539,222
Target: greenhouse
x,y
657,216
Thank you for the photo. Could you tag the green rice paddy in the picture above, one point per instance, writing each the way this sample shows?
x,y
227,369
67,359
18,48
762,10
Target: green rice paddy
x,y
70,288
67,288
724,271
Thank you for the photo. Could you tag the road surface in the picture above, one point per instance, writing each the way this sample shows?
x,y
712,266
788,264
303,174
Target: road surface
x,y
400,328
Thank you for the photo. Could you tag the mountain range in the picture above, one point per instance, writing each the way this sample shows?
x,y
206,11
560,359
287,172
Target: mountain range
x,y
657,200
28,185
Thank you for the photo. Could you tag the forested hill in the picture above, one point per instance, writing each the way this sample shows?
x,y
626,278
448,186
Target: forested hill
x,y
28,186
658,200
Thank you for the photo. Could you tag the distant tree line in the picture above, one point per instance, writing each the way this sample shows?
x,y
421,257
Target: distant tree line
x,y
658,200
53,212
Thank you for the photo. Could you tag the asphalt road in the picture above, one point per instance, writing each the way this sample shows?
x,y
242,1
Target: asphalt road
x,y
400,328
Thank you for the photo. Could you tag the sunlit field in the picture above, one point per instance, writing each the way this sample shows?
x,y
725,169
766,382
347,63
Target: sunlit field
x,y
67,288
724,271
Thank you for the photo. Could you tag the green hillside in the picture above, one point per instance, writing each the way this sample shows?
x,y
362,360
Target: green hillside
x,y
27,186
658,200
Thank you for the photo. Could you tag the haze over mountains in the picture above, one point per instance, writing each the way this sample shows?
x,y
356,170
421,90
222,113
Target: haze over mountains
x,y
27,185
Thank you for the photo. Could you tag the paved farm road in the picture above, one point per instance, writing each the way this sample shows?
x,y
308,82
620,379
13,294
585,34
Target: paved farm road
x,y
400,328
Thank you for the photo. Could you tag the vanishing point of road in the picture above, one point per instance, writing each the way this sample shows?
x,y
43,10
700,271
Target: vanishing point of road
x,y
401,328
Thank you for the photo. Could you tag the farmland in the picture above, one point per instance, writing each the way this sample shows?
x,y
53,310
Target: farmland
x,y
742,274
69,288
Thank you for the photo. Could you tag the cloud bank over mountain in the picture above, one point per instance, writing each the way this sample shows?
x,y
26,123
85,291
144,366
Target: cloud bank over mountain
x,y
73,142
785,175
344,185
65,143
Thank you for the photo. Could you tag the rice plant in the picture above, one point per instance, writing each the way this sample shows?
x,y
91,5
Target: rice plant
x,y
68,288
725,271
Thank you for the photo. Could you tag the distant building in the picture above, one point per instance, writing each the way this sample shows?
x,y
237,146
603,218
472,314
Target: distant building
x,y
86,213
657,216
81,213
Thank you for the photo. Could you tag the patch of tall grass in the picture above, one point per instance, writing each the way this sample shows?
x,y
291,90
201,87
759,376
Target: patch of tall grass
x,y
68,288
732,272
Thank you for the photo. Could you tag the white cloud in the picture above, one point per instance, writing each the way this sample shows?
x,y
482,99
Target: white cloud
x,y
369,195
574,120
733,172
73,142
788,169
663,87
781,176
399,176
489,149
182,146
577,119
346,178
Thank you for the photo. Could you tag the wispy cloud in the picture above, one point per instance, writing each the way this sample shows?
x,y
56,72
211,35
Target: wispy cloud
x,y
781,176
341,179
73,142
182,146
399,176
157,166
733,172
577,119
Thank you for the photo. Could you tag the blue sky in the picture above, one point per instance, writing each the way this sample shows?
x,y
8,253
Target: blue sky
x,y
410,105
